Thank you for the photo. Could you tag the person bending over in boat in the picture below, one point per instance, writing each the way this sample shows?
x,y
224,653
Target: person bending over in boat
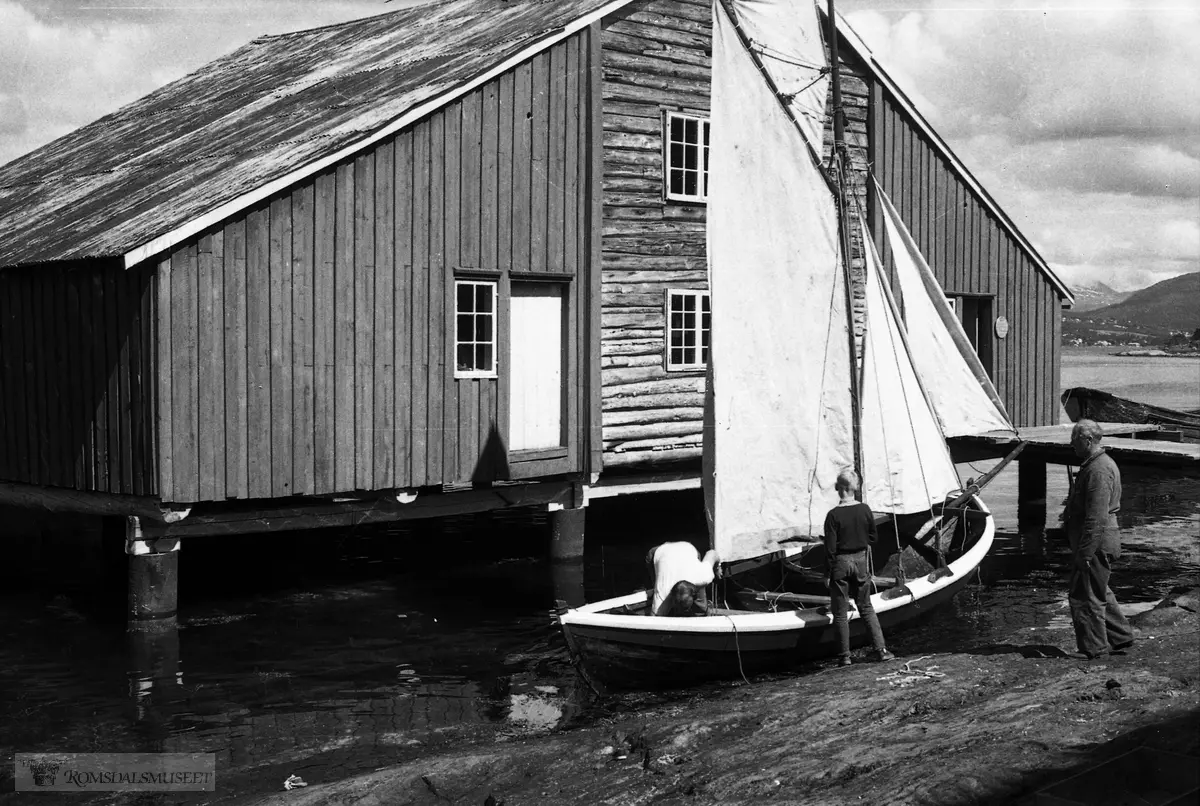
x,y
678,578
849,533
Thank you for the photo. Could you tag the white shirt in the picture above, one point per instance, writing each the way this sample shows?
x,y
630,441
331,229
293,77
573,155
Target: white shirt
x,y
676,562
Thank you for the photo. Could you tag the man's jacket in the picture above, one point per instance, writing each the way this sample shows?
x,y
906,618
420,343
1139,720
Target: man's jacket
x,y
1092,508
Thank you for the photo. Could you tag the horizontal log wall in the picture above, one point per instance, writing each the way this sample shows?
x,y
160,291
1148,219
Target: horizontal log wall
x,y
656,56
970,252
307,346
76,378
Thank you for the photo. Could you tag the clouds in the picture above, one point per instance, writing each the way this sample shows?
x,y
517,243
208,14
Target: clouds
x,y
64,64
58,77
14,120
1081,117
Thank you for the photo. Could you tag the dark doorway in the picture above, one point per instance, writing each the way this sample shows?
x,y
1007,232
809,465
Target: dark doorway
x,y
975,313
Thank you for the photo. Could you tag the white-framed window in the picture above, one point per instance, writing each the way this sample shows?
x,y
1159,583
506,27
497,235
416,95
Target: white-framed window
x,y
689,322
685,157
953,303
474,329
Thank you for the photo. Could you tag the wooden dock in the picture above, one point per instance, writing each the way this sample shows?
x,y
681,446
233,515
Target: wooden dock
x,y
1128,443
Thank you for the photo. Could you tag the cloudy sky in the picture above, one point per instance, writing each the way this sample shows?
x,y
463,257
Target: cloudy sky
x,y
1081,118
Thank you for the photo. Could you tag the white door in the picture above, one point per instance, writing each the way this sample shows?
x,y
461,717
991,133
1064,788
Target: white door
x,y
535,366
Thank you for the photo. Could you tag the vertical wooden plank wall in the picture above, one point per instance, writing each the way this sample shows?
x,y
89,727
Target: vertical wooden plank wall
x,y
77,378
305,347
971,252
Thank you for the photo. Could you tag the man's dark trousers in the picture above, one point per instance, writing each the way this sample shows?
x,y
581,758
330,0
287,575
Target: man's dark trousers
x,y
1099,623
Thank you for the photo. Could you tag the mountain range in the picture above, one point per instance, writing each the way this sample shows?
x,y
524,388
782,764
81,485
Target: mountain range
x,y
1151,315
1091,297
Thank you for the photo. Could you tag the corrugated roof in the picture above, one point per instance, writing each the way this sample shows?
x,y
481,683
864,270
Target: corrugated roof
x,y
276,105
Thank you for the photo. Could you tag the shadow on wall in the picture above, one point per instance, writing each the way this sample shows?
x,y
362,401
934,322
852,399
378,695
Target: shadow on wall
x,y
85,416
492,464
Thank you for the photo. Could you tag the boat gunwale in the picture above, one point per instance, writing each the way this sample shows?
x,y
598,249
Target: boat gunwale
x,y
594,615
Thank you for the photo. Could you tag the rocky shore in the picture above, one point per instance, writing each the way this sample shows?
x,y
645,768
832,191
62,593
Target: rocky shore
x,y
990,726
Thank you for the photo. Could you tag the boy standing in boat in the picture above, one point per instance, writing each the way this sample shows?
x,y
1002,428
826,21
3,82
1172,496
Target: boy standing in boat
x,y
679,578
1095,541
849,533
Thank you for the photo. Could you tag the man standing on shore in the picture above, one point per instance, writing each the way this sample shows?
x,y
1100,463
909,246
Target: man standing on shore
x,y
1095,541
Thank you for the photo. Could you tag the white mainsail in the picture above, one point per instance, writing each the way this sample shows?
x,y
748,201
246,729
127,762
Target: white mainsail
x,y
780,412
962,395
906,464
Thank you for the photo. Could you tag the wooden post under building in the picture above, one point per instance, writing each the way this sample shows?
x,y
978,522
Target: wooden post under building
x,y
1031,496
566,534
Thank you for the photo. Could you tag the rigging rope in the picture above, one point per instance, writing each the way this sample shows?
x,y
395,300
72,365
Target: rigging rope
x,y
904,394
887,467
780,56
812,479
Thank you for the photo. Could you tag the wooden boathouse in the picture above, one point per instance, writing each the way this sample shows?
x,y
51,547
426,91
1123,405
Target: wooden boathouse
x,y
445,259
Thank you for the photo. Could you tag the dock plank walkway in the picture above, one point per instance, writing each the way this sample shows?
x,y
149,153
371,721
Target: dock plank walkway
x,y
1128,443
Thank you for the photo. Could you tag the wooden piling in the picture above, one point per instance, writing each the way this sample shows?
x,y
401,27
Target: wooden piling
x,y
566,534
567,578
1031,496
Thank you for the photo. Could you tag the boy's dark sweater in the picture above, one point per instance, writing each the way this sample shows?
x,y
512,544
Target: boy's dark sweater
x,y
849,529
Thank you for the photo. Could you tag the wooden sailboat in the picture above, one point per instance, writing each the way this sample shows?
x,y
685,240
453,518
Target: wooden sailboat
x,y
789,401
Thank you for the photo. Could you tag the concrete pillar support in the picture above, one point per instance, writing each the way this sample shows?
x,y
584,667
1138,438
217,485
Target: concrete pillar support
x,y
1031,496
153,574
566,534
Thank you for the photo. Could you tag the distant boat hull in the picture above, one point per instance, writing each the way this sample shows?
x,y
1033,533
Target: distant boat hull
x,y
1094,404
617,649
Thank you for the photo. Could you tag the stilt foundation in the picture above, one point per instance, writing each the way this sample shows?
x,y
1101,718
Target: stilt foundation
x,y
566,534
153,575
1031,496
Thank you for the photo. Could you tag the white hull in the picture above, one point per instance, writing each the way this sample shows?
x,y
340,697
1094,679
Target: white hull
x,y
628,650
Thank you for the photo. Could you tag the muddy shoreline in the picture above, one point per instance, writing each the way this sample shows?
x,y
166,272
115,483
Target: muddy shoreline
x,y
992,725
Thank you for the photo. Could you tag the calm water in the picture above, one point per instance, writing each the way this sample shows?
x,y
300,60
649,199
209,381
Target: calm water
x,y
329,654
1171,382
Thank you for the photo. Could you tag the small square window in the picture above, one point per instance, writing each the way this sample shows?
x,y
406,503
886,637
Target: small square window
x,y
475,331
685,157
687,333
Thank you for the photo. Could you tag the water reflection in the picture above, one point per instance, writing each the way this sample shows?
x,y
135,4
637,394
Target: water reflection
x,y
568,582
154,672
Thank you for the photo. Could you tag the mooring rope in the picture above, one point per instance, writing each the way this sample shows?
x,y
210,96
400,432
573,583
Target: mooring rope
x,y
737,648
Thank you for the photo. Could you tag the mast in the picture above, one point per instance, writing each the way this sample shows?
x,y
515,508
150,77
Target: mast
x,y
840,170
